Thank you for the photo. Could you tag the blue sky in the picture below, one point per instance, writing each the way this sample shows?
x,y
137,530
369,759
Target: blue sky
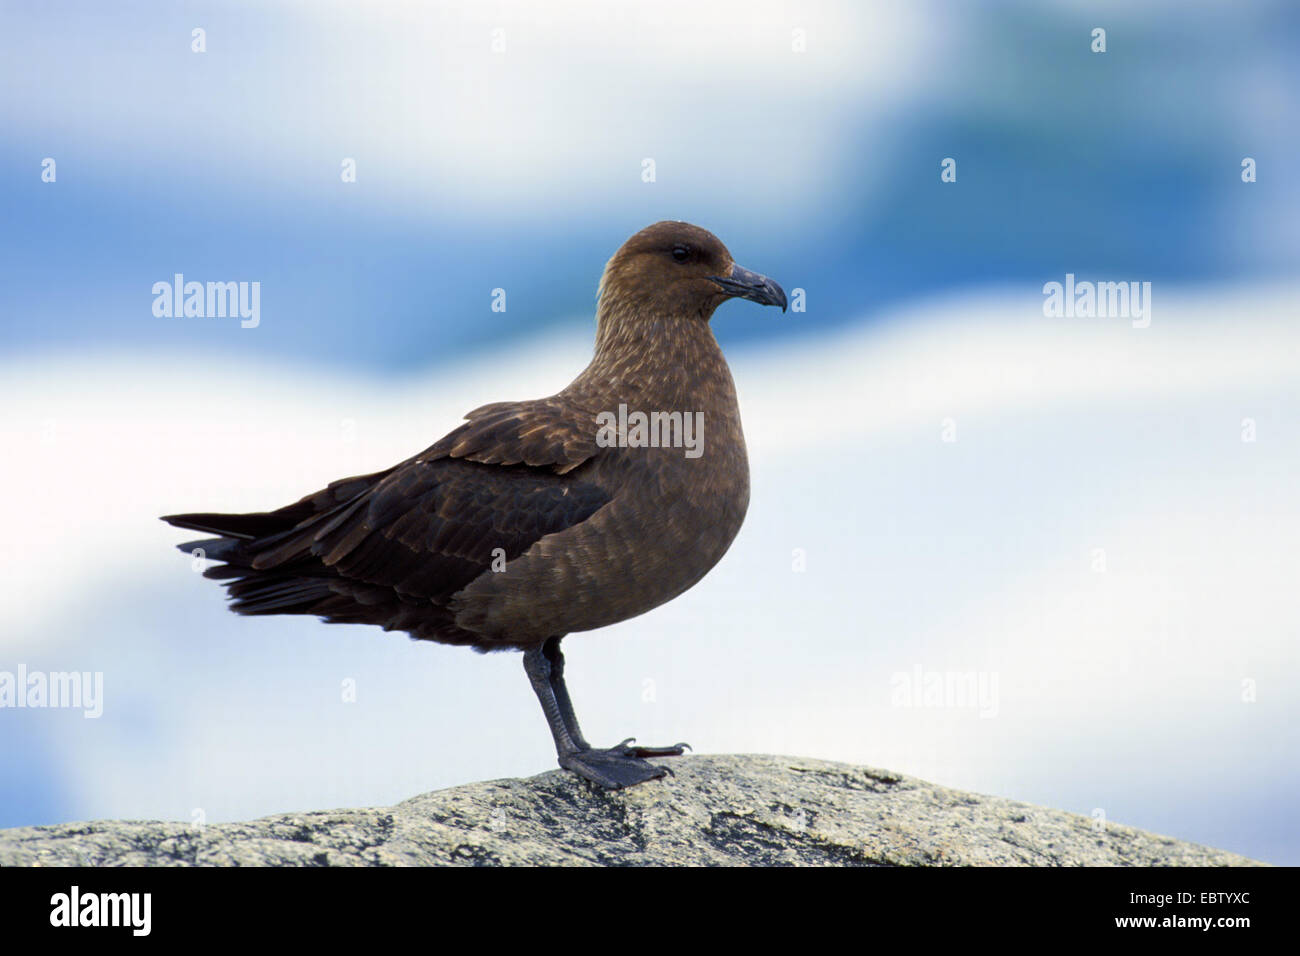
x,y
225,164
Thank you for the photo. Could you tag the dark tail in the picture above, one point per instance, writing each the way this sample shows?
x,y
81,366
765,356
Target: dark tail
x,y
245,527
288,581
270,564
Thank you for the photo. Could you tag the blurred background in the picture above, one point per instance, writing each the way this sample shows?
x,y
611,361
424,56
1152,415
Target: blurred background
x,y
1093,520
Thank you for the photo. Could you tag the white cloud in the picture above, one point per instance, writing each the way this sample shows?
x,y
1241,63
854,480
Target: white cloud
x,y
438,122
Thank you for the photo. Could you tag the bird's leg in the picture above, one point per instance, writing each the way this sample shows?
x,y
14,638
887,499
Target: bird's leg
x,y
620,766
556,661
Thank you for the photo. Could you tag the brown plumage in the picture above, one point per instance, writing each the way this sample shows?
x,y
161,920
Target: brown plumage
x,y
523,524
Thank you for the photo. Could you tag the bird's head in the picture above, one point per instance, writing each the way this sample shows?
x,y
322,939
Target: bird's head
x,y
677,269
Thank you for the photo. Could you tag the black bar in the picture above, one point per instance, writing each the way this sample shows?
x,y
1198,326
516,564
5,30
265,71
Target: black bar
x,y
209,905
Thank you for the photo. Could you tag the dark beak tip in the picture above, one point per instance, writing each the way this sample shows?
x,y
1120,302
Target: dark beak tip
x,y
750,285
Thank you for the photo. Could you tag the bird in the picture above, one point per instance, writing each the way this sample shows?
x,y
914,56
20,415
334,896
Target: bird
x,y
537,519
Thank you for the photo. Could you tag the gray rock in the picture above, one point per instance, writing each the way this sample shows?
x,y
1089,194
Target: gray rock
x,y
730,810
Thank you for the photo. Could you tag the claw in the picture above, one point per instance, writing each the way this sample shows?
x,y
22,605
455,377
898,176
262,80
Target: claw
x,y
676,750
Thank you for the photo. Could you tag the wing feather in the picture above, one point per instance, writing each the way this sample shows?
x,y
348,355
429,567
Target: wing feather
x,y
391,548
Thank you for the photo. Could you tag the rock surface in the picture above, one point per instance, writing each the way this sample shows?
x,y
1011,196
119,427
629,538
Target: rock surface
x,y
729,810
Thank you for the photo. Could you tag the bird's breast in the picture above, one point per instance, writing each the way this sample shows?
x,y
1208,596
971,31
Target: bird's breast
x,y
677,501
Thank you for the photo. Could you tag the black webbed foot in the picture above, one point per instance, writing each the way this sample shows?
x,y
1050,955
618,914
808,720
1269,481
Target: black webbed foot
x,y
621,765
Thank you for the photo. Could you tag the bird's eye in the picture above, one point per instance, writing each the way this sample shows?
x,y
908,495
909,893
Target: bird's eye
x,y
681,253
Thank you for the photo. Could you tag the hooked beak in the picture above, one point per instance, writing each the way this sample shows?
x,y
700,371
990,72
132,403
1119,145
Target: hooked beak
x,y
751,286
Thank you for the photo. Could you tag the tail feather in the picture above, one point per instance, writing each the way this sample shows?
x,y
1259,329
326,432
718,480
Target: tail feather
x,y
286,595
247,527
267,563
291,581
215,549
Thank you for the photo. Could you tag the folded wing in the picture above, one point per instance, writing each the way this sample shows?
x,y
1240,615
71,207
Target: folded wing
x,y
391,548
